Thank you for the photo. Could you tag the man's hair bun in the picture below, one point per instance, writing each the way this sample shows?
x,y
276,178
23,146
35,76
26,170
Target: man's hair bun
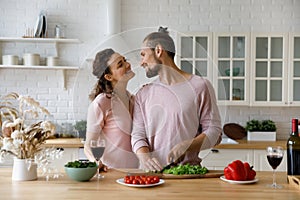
x,y
163,30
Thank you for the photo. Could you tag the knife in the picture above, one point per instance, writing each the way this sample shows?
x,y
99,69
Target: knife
x,y
168,166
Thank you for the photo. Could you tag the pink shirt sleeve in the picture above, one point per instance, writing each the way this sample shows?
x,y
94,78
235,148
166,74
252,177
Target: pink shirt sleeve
x,y
209,116
95,118
138,140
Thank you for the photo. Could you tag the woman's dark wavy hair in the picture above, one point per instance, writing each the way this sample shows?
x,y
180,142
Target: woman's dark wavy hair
x,y
163,38
100,68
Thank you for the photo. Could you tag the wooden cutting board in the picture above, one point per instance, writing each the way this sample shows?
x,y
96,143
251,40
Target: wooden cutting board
x,y
210,174
294,181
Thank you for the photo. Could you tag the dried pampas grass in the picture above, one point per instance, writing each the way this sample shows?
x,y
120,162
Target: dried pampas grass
x,y
18,138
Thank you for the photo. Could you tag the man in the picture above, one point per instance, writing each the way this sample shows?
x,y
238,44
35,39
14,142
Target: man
x,y
175,116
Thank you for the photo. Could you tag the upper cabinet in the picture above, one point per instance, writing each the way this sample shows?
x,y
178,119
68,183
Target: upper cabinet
x,y
251,69
294,70
269,70
231,71
194,53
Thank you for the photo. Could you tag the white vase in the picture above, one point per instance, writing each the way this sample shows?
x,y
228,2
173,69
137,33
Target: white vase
x,y
24,170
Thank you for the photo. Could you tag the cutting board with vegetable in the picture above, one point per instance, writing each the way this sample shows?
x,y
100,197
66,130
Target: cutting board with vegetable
x,y
189,171
181,172
209,174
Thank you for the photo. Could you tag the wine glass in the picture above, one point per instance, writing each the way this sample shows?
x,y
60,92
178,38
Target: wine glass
x,y
274,156
97,147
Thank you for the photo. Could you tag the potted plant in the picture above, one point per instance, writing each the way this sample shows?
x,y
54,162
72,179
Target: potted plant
x,y
264,130
80,126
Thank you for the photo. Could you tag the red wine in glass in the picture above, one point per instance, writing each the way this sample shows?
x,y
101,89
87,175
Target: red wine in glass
x,y
274,156
274,160
97,147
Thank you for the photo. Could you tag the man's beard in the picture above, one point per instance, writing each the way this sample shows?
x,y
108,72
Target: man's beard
x,y
155,69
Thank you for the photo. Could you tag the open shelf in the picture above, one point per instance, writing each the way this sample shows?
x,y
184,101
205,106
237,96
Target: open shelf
x,y
39,67
20,39
62,68
55,41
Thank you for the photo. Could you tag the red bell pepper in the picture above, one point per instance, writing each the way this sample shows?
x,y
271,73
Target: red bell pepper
x,y
235,171
239,171
251,173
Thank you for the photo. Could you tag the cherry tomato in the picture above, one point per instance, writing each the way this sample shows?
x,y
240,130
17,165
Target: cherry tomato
x,y
156,179
128,181
148,178
141,180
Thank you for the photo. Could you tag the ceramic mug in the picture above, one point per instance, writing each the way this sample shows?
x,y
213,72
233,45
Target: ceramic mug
x,y
31,59
10,60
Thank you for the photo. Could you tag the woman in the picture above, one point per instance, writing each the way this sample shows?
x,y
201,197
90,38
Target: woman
x,y
110,112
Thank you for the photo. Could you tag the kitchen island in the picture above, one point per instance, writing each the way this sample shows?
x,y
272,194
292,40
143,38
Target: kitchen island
x,y
203,188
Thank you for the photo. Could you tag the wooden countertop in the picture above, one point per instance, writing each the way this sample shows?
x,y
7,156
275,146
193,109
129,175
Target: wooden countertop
x,y
244,144
203,188
64,143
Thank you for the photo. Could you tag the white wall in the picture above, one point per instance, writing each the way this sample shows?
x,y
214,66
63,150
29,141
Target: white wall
x,y
86,20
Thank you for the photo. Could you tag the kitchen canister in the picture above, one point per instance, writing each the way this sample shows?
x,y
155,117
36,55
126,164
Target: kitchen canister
x,y
31,59
10,60
52,61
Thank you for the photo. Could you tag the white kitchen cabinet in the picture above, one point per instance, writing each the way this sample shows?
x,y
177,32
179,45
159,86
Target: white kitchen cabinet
x,y
195,53
294,70
39,42
269,70
69,154
261,161
227,67
231,76
253,69
218,159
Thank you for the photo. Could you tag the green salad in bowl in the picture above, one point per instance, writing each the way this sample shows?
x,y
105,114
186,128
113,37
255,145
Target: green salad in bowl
x,y
79,170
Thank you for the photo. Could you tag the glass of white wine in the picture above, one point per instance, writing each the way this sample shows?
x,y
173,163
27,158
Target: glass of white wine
x,y
97,147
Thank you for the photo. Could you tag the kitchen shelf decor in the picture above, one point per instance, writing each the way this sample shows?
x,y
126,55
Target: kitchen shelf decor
x,y
55,41
264,130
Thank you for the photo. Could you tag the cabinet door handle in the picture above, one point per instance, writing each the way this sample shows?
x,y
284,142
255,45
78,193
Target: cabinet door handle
x,y
214,150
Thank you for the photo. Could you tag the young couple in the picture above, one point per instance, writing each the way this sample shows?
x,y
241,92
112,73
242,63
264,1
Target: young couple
x,y
168,120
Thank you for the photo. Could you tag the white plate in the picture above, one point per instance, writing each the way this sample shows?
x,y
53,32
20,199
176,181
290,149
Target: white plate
x,y
121,181
38,26
238,182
